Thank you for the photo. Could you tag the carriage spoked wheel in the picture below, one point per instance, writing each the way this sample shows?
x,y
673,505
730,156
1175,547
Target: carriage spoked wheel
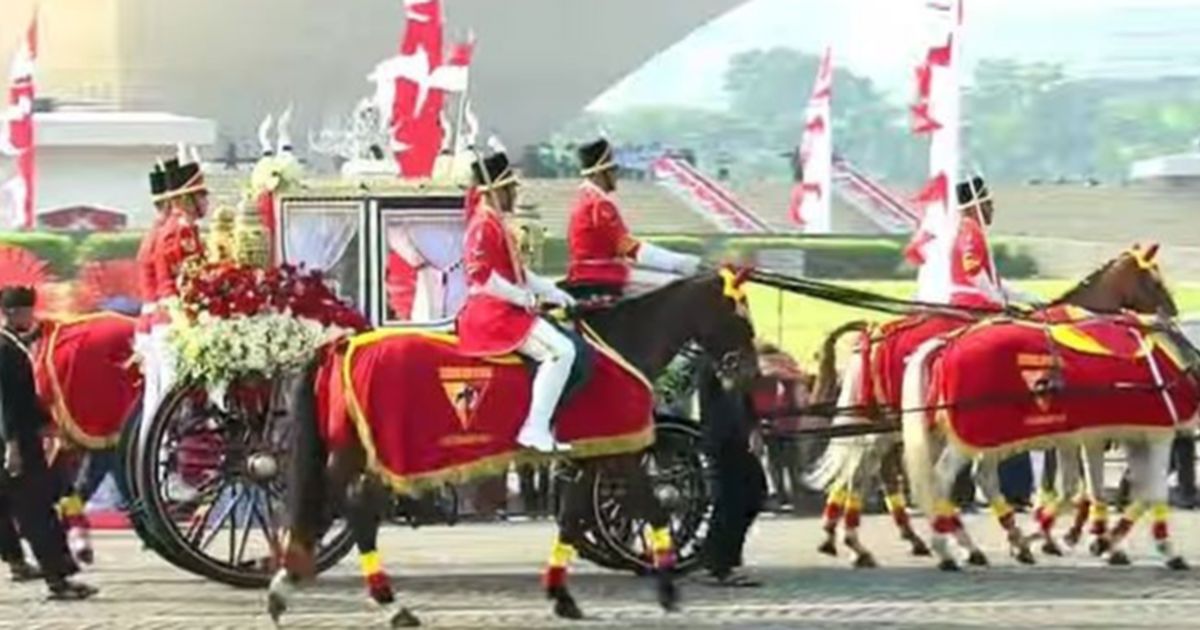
x,y
213,483
678,471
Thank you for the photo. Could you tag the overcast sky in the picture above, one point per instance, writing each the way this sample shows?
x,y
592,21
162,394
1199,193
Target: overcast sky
x,y
1108,37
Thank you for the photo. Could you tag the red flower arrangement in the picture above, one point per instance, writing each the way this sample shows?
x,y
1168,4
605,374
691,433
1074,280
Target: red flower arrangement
x,y
228,290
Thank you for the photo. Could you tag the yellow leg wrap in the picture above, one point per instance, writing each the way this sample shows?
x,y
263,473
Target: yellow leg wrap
x,y
1000,507
71,505
660,539
1099,511
1135,510
853,502
838,496
1047,499
1160,512
944,507
895,502
561,554
370,563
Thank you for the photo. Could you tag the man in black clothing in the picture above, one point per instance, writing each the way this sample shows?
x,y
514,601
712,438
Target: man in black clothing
x,y
28,484
741,484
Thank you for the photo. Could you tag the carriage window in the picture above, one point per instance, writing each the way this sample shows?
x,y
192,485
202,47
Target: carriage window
x,y
326,237
424,280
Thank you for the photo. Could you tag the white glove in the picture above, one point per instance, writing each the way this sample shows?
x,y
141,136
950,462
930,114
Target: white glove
x,y
549,291
655,257
499,287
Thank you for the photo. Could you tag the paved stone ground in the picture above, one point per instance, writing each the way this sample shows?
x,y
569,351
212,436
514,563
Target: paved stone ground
x,y
476,576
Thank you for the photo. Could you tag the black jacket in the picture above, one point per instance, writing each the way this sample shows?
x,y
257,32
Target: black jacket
x,y
22,416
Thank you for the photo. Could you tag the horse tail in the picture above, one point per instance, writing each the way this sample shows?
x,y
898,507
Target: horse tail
x,y
825,389
918,435
306,475
843,455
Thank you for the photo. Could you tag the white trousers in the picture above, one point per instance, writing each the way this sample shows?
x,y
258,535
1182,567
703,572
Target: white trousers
x,y
642,280
158,374
555,354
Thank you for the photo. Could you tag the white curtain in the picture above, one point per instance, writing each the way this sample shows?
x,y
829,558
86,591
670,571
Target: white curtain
x,y
434,249
318,240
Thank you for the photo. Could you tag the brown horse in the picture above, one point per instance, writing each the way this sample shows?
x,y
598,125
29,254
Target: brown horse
x,y
851,465
647,331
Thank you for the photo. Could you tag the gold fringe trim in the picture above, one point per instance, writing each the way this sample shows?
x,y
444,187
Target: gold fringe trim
x,y
58,409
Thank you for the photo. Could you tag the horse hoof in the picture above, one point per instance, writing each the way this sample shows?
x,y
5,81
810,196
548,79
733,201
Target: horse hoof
x,y
1024,556
1051,548
865,561
1099,547
564,604
1118,559
949,565
1178,564
828,548
977,559
404,618
276,606
1072,537
668,594
85,557
920,549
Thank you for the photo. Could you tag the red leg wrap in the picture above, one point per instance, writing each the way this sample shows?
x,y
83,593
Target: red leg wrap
x,y
1122,528
853,519
554,577
379,586
900,518
944,524
1006,521
832,514
1160,530
1098,528
664,560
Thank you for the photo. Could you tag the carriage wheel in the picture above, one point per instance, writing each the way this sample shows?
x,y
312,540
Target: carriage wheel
x,y
213,484
678,471
590,544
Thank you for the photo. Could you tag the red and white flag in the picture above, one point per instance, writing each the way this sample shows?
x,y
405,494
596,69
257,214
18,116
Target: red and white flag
x,y
17,139
411,88
812,198
937,113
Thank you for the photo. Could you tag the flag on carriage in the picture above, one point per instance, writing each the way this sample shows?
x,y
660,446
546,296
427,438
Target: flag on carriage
x,y
936,113
17,136
811,198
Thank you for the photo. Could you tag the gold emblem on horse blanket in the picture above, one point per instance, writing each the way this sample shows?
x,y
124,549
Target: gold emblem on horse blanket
x,y
465,387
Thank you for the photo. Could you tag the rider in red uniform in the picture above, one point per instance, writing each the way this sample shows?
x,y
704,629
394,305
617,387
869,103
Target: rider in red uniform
x,y
974,282
602,250
500,313
146,259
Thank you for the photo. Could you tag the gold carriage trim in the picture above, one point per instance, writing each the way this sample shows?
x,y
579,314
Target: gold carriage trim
x,y
463,473
58,410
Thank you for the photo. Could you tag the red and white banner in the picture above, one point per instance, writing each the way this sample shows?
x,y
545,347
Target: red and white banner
x,y
17,194
937,113
411,87
706,197
812,198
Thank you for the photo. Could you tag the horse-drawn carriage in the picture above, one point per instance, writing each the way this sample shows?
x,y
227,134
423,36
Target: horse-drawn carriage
x,y
206,478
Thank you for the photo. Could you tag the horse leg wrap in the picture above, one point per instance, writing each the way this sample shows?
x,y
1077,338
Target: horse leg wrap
x,y
662,548
833,509
379,585
1125,524
1099,516
898,509
78,529
555,576
1159,514
945,520
853,511
1003,513
1047,511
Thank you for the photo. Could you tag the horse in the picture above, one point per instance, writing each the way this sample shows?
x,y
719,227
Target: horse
x,y
850,465
1046,355
646,331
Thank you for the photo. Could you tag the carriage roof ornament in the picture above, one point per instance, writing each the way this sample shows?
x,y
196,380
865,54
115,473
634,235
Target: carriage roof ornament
x,y
264,136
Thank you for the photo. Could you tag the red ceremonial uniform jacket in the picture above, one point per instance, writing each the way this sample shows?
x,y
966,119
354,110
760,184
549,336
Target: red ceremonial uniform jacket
x,y
178,241
973,278
147,270
488,325
600,246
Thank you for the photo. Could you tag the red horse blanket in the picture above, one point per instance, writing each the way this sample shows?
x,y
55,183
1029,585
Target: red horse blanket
x,y
86,376
890,345
995,386
428,415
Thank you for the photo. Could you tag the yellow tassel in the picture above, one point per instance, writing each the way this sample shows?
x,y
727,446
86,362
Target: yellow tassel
x,y
1099,511
895,502
370,563
660,539
944,507
561,554
1000,507
1160,512
1135,510
71,505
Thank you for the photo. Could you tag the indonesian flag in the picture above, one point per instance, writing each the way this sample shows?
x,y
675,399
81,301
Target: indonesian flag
x,y
812,197
937,113
17,139
412,86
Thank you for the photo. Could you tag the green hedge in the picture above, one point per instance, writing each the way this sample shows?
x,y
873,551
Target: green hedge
x,y
845,258
109,246
57,250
